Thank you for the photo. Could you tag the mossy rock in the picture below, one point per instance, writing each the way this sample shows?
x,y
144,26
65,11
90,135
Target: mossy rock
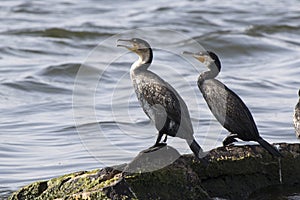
x,y
234,172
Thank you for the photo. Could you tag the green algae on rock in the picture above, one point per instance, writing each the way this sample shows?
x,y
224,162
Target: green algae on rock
x,y
234,172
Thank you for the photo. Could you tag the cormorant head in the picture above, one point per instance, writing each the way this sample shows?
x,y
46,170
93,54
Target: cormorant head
x,y
299,93
209,58
138,46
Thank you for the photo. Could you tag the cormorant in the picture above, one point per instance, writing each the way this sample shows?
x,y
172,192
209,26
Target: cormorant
x,y
226,106
297,117
159,100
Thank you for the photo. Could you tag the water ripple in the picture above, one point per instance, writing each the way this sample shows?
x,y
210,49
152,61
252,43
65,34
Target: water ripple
x,y
45,44
58,33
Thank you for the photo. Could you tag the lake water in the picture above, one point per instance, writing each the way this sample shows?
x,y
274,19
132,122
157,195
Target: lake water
x,y
66,99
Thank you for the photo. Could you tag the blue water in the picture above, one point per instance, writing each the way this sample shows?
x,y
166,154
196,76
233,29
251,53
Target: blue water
x,y
66,100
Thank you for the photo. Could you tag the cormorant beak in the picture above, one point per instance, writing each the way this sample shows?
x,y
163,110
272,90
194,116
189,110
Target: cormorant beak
x,y
199,56
129,47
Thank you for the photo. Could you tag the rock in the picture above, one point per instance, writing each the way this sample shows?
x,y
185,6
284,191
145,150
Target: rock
x,y
153,159
234,172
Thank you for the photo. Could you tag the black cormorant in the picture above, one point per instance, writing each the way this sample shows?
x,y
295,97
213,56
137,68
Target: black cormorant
x,y
226,106
159,100
297,117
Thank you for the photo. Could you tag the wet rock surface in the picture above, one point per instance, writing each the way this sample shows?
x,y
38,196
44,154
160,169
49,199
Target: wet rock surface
x,y
234,172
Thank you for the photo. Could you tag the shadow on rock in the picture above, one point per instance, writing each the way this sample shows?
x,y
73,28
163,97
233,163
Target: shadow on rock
x,y
152,159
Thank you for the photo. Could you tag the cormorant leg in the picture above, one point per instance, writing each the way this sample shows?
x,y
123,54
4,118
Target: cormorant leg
x,y
229,139
157,143
165,140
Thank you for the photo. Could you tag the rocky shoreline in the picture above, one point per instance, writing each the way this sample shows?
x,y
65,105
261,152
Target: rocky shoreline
x,y
234,172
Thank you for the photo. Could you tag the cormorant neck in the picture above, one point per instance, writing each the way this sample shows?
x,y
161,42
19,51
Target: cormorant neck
x,y
210,74
144,61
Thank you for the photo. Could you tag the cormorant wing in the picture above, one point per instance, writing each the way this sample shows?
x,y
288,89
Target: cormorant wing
x,y
160,96
229,109
297,119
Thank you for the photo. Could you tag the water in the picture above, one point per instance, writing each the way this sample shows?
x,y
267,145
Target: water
x,y
43,45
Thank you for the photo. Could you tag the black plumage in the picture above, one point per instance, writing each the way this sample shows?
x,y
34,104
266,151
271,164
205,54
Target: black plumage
x,y
159,100
226,106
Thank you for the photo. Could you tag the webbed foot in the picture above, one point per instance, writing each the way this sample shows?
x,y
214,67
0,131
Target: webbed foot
x,y
155,147
229,140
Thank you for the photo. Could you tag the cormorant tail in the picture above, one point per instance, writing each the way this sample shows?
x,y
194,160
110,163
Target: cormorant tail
x,y
197,150
269,148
